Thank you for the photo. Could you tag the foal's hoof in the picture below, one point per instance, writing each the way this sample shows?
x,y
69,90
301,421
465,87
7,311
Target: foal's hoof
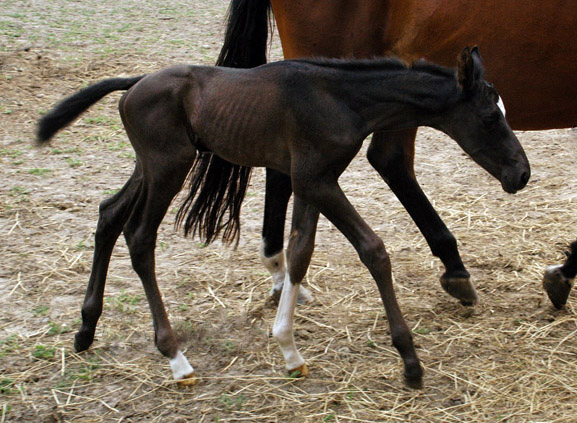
x,y
299,372
460,288
188,380
557,285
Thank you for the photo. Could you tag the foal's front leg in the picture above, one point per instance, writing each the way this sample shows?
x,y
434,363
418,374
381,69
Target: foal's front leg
x,y
328,198
392,154
299,252
278,193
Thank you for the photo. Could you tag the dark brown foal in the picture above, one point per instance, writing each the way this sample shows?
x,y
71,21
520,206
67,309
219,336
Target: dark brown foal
x,y
305,119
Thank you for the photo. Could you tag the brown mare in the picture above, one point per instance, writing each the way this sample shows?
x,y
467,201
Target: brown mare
x,y
305,119
530,51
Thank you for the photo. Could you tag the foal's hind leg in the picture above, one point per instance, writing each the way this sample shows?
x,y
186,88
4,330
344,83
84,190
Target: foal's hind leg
x,y
113,214
299,252
162,181
558,280
392,155
278,193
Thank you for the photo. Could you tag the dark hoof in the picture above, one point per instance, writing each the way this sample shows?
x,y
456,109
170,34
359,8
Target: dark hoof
x,y
460,288
557,286
275,295
83,341
414,380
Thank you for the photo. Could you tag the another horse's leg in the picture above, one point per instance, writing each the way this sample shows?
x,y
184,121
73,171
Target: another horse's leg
x,y
299,252
392,155
328,198
113,214
558,279
278,193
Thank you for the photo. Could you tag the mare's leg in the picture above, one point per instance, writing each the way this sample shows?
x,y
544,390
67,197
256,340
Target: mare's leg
x,y
392,154
328,198
113,215
558,280
278,193
299,252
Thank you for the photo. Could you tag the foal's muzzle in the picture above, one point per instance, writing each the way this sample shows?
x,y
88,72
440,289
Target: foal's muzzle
x,y
515,177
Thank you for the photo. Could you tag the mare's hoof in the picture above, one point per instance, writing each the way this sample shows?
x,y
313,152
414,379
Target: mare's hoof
x,y
301,371
188,380
557,286
83,341
460,288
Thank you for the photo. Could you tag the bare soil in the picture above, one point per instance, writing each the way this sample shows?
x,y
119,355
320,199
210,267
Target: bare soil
x,y
511,359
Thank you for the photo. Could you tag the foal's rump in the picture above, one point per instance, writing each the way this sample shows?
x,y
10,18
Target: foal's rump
x,y
158,112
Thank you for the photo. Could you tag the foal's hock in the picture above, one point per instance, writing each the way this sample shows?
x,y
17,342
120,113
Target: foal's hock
x,y
306,119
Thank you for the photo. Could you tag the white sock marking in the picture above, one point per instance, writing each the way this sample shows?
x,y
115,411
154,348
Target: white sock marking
x,y
180,366
276,266
283,325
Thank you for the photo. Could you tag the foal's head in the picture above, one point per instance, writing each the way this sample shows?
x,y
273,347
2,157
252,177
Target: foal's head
x,y
477,122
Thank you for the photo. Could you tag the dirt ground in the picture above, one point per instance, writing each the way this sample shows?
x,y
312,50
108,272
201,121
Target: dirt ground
x,y
512,358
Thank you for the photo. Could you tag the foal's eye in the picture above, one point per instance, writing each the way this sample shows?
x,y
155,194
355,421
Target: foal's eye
x,y
492,117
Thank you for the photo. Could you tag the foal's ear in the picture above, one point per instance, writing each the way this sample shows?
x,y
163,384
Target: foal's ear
x,y
469,68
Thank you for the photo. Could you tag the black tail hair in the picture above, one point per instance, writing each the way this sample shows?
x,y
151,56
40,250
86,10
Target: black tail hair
x,y
218,187
72,107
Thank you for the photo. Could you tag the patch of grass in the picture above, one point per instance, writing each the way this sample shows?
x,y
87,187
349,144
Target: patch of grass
x,y
40,310
7,386
118,146
127,155
9,345
57,328
422,331
83,373
43,352
74,163
65,150
18,191
232,402
39,171
110,191
6,152
125,302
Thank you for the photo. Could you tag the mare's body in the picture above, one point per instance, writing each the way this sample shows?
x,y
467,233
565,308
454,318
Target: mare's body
x,y
529,50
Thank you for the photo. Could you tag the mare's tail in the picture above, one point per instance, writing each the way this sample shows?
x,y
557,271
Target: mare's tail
x,y
218,187
72,107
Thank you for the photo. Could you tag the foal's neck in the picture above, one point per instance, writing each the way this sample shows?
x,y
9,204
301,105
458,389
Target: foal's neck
x,y
388,95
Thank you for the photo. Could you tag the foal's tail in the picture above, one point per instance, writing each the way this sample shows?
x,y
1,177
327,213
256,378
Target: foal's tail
x,y
72,107
218,187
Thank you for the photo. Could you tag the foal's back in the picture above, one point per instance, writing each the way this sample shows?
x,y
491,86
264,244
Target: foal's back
x,y
249,117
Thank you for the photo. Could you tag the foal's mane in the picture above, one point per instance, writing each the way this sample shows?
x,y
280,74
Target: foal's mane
x,y
379,64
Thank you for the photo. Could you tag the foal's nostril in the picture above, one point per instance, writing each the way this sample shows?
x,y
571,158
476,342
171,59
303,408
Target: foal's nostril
x,y
525,178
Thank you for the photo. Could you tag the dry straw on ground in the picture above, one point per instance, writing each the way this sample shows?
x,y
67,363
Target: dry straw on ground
x,y
510,359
